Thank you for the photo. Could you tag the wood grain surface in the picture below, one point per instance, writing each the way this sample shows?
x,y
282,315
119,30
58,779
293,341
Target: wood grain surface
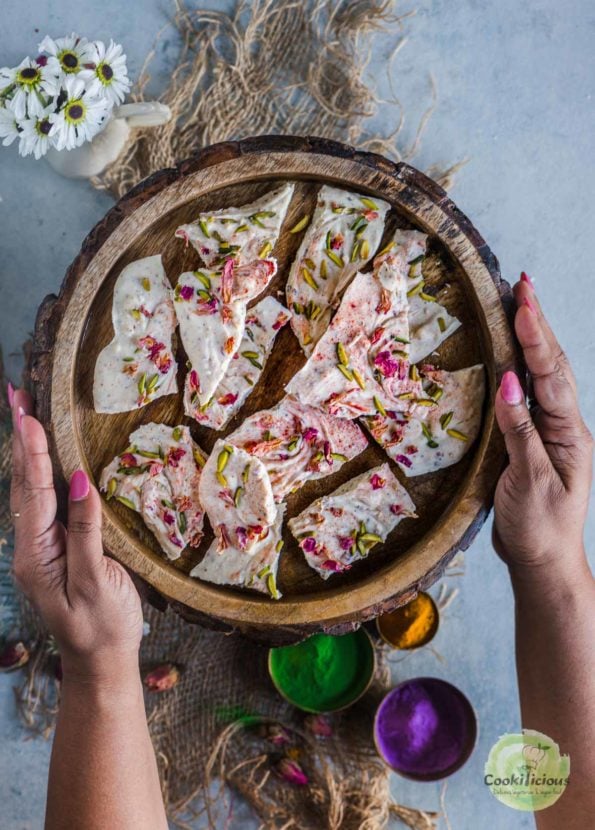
x,y
72,329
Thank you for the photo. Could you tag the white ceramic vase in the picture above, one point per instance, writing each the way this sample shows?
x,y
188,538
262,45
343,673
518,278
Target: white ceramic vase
x,y
91,158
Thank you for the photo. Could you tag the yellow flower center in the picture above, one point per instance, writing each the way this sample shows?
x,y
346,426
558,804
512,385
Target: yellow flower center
x,y
105,73
29,76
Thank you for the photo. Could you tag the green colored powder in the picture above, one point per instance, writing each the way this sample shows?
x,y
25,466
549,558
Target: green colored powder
x,y
323,673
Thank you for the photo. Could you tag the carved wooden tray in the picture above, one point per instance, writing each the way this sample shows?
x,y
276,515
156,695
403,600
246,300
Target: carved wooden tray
x,y
72,328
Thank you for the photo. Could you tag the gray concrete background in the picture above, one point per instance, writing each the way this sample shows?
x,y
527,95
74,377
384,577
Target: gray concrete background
x,y
515,85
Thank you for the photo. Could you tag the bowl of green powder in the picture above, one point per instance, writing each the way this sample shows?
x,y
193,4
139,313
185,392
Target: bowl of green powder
x,y
324,673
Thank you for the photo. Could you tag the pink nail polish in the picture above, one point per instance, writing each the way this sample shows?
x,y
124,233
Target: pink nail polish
x,y
79,486
10,394
20,414
530,306
526,278
511,388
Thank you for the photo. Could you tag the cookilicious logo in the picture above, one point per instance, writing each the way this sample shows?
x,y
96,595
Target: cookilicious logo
x,y
526,771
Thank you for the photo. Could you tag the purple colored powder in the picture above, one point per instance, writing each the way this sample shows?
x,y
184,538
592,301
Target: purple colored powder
x,y
425,728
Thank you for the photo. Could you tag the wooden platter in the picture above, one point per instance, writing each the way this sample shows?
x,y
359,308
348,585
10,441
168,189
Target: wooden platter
x,y
72,328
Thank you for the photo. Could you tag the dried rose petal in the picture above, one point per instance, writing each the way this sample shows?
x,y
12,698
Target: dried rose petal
x,y
128,460
310,434
227,400
377,482
174,455
402,459
291,772
346,542
227,279
162,678
186,292
193,381
308,544
13,656
335,567
319,725
242,537
386,364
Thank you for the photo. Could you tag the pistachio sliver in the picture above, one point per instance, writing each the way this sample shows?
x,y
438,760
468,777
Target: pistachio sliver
x,y
126,502
369,203
301,224
455,433
344,371
342,355
222,460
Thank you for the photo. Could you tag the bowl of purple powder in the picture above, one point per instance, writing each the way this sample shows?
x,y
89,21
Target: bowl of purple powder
x,y
425,729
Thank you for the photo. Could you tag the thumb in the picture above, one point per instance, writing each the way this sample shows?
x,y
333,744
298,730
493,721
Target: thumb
x,y
84,548
523,443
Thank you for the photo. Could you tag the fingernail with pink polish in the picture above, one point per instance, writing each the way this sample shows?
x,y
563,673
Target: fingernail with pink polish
x,y
530,306
10,394
79,486
511,388
526,278
20,415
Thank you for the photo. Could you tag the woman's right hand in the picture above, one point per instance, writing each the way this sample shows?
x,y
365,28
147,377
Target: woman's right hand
x,y
542,497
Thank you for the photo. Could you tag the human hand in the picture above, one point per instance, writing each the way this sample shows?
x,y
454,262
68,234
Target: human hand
x,y
87,600
542,497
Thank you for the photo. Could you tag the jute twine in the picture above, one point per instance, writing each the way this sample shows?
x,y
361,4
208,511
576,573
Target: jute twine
x,y
272,66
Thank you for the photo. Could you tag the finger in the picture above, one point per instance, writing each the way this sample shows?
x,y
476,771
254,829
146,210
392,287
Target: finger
x,y
36,494
553,383
525,296
528,458
19,401
84,549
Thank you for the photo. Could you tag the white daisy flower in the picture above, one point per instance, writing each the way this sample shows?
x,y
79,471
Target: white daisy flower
x,y
109,75
80,116
35,134
9,129
68,55
29,85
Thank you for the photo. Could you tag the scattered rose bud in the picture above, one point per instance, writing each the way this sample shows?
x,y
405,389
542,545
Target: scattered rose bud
x,y
319,725
291,772
13,656
162,678
275,733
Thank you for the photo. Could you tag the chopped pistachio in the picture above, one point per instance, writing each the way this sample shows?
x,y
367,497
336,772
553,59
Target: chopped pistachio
x,y
417,289
299,226
246,473
309,279
387,248
446,419
323,270
222,460
364,249
413,373
203,226
372,538
379,406
146,283
242,228
441,324
148,454
338,456
427,297
369,203
338,260
344,371
358,379
182,523
342,355
237,496
142,383
248,354
111,488
265,250
310,263
221,479
455,433
425,402
153,381
202,277
272,586
293,443
354,252
279,545
126,502
135,313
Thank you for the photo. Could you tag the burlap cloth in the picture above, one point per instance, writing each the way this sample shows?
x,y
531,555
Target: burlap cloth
x,y
285,66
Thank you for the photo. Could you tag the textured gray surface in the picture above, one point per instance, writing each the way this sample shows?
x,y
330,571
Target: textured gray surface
x,y
515,85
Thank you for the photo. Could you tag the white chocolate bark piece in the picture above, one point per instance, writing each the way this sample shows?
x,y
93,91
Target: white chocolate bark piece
x,y
263,322
343,235
158,476
297,443
256,569
337,530
236,494
430,324
247,233
138,365
211,310
360,365
422,445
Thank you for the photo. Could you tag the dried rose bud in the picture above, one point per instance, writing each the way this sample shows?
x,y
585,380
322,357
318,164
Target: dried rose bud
x,y
275,733
291,772
162,678
13,656
319,725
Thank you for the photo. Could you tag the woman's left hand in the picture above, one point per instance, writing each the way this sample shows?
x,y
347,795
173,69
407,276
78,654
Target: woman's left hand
x,y
87,600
